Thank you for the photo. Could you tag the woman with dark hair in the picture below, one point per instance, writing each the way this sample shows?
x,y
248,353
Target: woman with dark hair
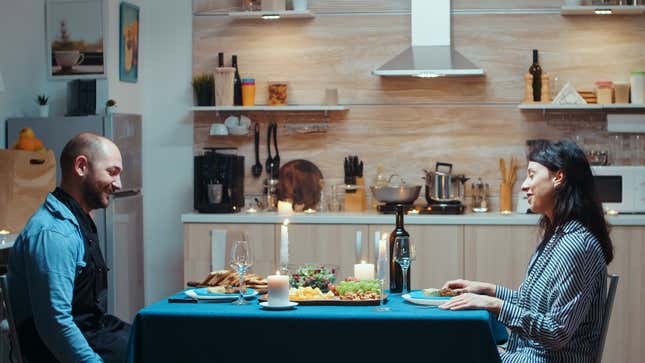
x,y
556,313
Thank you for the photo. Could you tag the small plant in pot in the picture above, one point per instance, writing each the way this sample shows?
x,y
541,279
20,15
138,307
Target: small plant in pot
x,y
203,87
110,106
43,106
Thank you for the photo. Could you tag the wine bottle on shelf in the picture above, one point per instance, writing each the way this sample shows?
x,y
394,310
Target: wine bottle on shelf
x,y
536,71
396,274
237,85
220,59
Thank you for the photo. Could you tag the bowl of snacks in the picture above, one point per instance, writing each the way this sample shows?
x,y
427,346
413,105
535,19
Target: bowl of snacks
x,y
314,275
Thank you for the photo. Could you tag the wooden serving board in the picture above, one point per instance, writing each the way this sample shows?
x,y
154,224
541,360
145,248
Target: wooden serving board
x,y
332,302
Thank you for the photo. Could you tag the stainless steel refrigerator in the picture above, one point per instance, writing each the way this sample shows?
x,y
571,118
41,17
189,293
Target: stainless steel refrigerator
x,y
120,226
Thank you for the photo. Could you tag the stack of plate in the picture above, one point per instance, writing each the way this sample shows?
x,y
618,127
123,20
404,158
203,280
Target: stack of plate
x,y
589,96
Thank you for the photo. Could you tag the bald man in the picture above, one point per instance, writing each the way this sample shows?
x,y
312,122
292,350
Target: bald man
x,y
57,274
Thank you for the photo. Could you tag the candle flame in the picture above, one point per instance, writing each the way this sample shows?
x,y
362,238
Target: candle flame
x,y
277,272
362,262
286,222
384,236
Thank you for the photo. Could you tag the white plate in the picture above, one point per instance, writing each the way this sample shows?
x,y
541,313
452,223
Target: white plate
x,y
202,294
434,301
290,305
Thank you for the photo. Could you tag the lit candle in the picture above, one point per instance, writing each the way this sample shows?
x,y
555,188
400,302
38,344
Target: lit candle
x,y
284,243
382,247
285,208
364,271
278,289
310,211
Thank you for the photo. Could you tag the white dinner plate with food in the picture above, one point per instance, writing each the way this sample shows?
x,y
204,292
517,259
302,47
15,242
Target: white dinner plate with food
x,y
419,298
290,305
204,294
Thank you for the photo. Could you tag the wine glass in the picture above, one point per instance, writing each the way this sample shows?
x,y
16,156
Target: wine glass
x,y
380,275
241,260
404,254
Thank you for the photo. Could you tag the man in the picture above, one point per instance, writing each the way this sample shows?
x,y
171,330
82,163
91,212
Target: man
x,y
57,274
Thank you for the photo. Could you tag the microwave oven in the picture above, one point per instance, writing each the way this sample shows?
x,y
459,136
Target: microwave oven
x,y
621,189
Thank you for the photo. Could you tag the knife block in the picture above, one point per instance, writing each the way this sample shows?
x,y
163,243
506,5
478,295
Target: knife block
x,y
355,199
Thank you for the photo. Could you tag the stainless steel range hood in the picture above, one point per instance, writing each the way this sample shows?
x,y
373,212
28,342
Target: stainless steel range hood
x,y
431,53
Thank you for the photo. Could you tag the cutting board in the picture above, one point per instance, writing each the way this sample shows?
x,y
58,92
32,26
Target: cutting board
x,y
301,182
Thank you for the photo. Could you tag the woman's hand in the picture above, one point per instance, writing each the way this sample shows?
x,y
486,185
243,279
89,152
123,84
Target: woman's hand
x,y
463,286
470,301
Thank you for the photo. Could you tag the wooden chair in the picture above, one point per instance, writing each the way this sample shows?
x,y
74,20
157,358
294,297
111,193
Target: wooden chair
x,y
15,354
611,293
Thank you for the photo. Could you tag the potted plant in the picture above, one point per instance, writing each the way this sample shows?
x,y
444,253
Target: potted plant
x,y
110,106
203,87
43,107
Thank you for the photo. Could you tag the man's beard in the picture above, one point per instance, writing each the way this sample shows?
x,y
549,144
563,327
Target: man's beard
x,y
92,194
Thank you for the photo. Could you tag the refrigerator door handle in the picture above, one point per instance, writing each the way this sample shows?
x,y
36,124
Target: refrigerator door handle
x,y
126,193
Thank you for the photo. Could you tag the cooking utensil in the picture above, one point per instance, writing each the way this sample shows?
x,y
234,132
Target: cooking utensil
x,y
402,194
301,182
276,158
256,169
269,163
439,184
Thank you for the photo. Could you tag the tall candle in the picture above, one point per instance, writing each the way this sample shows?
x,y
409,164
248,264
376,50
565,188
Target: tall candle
x,y
278,286
364,271
382,257
284,243
285,208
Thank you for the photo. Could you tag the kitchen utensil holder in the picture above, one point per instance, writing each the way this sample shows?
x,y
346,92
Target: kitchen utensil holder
x,y
505,198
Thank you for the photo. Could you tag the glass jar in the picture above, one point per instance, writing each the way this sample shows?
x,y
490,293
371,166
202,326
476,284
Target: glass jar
x,y
277,93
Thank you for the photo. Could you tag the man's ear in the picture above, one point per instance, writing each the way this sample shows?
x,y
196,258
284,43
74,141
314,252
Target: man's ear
x,y
81,165
558,179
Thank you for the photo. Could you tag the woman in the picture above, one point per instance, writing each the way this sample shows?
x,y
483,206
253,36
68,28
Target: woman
x,y
556,314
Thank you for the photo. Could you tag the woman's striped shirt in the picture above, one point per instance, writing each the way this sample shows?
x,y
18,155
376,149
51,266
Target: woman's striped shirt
x,y
556,314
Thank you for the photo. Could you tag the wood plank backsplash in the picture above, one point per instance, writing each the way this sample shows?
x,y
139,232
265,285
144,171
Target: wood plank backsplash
x,y
407,124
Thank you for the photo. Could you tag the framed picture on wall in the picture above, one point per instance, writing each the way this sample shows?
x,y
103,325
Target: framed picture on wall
x,y
128,42
74,39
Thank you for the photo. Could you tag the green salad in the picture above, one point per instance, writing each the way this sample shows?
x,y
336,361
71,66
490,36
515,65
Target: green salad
x,y
314,276
358,287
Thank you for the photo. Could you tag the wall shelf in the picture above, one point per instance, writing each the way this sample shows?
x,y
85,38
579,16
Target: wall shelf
x,y
593,106
603,10
270,108
272,15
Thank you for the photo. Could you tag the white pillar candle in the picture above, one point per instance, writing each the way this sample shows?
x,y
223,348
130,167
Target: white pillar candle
x,y
284,243
285,208
364,271
278,289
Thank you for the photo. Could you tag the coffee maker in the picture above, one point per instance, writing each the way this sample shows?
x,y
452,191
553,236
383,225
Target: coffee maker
x,y
219,181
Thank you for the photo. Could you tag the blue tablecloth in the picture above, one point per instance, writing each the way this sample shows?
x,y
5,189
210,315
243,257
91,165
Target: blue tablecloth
x,y
220,332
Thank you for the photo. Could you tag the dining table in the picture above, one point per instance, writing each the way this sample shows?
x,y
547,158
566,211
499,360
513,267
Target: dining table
x,y
178,329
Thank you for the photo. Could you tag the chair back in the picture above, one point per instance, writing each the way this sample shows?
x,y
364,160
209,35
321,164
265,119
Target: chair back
x,y
611,293
13,333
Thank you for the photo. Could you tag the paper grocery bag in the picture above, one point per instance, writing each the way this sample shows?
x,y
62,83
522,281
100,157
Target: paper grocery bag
x,y
25,179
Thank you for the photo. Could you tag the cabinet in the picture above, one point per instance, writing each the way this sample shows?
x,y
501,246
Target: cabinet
x,y
499,253
325,243
440,253
197,247
627,325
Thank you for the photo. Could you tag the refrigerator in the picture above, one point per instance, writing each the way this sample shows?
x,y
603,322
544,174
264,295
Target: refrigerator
x,y
120,226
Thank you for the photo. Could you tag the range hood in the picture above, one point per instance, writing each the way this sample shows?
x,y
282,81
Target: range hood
x,y
431,53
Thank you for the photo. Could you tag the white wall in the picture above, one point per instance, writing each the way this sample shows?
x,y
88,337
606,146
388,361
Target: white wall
x,y
167,143
162,95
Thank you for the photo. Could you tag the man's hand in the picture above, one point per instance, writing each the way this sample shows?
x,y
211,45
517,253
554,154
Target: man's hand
x,y
470,301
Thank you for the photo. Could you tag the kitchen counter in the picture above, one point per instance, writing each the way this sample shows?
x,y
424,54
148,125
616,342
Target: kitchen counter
x,y
375,218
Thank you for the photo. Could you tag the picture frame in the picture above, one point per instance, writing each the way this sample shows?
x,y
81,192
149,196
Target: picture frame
x,y
128,42
74,39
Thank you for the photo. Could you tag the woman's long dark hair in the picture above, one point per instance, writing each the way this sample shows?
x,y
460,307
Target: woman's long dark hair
x,y
575,198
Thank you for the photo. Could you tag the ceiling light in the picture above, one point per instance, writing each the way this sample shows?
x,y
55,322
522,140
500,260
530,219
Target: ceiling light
x,y
270,16
427,75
